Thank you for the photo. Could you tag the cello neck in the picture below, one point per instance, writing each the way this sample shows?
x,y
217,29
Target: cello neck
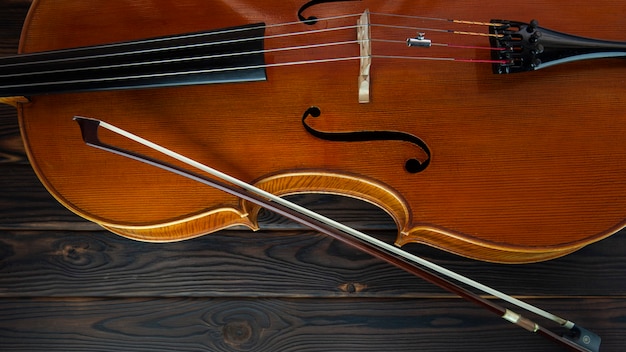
x,y
233,54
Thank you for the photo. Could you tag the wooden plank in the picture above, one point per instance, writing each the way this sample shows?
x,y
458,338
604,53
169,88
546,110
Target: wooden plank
x,y
179,324
11,145
274,264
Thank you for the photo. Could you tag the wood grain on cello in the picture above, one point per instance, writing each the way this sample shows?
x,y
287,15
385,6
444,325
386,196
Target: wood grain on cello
x,y
13,260
524,167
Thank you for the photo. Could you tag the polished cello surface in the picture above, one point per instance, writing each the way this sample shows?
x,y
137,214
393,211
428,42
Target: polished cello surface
x,y
522,167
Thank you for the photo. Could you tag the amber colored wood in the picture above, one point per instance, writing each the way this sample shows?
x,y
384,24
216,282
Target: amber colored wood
x,y
65,286
524,168
14,101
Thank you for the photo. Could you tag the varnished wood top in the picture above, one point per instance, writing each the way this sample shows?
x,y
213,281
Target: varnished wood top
x,y
67,285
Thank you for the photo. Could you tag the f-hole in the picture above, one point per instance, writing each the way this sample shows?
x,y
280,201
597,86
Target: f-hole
x,y
412,165
311,20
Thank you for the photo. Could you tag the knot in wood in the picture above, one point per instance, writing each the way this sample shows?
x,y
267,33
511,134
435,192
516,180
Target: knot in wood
x,y
237,332
81,254
352,287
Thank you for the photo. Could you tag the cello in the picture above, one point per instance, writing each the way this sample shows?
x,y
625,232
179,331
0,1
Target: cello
x,y
502,167
323,178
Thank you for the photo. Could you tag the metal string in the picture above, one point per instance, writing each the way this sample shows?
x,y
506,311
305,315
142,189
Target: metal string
x,y
233,30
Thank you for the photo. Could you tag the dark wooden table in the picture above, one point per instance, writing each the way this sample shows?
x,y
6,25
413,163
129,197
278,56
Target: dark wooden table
x,y
67,285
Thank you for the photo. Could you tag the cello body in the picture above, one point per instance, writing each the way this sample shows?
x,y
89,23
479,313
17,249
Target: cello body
x,y
520,168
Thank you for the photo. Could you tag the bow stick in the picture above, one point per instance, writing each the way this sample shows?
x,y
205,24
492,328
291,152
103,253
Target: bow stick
x,y
580,339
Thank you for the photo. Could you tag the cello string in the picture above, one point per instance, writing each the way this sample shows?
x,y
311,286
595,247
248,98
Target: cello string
x,y
226,69
264,51
436,30
168,48
186,59
466,22
231,41
249,67
224,42
185,36
234,30
174,74
443,45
